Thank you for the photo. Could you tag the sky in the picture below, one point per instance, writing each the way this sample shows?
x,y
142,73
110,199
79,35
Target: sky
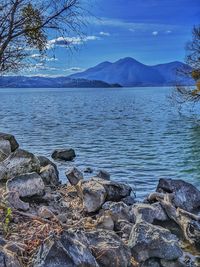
x,y
151,31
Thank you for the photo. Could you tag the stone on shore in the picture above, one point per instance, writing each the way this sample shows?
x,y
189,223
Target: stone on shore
x,y
115,191
186,196
149,213
93,195
69,250
5,149
149,241
64,154
108,249
74,176
103,175
49,175
27,185
11,139
119,210
14,201
18,162
44,161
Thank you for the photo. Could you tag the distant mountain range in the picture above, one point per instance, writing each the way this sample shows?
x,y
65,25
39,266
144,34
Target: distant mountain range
x,y
130,72
47,82
124,72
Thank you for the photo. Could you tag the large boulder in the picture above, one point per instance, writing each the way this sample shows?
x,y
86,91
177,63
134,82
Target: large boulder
x,y
44,161
70,250
115,191
93,195
14,201
150,241
11,139
64,154
108,249
103,175
186,196
27,185
18,162
49,175
74,176
119,210
5,149
149,213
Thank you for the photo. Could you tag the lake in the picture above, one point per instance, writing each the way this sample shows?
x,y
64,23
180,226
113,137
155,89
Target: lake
x,y
133,133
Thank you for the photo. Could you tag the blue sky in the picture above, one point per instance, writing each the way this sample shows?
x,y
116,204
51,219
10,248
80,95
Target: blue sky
x,y
151,31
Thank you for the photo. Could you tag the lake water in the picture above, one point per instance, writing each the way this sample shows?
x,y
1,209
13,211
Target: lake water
x,y
133,133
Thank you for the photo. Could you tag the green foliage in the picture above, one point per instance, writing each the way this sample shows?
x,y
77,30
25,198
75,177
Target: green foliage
x,y
33,27
5,218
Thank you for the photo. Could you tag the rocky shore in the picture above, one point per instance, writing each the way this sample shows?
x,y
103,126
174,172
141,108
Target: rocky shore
x,y
90,223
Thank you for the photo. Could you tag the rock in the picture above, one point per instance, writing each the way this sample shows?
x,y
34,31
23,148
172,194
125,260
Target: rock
x,y
64,154
93,195
74,176
108,249
105,221
15,247
49,175
8,259
44,161
119,210
149,241
186,196
45,213
9,137
88,170
70,250
149,213
27,185
115,191
151,263
123,228
5,149
18,162
129,200
176,263
14,201
103,175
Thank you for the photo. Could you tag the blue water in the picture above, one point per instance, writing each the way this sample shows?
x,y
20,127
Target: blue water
x,y
133,133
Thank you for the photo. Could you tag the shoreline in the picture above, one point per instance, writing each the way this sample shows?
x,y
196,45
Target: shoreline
x,y
94,222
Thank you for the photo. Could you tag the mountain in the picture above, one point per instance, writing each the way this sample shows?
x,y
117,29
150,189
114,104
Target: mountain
x,y
130,72
47,82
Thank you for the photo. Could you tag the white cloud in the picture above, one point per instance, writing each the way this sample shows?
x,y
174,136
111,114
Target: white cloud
x,y
131,30
68,41
105,33
75,69
155,33
168,32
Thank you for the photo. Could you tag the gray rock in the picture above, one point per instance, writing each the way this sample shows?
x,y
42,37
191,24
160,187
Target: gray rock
x,y
176,263
8,259
14,201
115,191
74,176
129,200
44,161
49,175
93,195
151,263
103,175
5,149
64,154
150,241
149,213
9,137
27,185
186,196
105,221
88,170
119,210
108,249
70,250
18,162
